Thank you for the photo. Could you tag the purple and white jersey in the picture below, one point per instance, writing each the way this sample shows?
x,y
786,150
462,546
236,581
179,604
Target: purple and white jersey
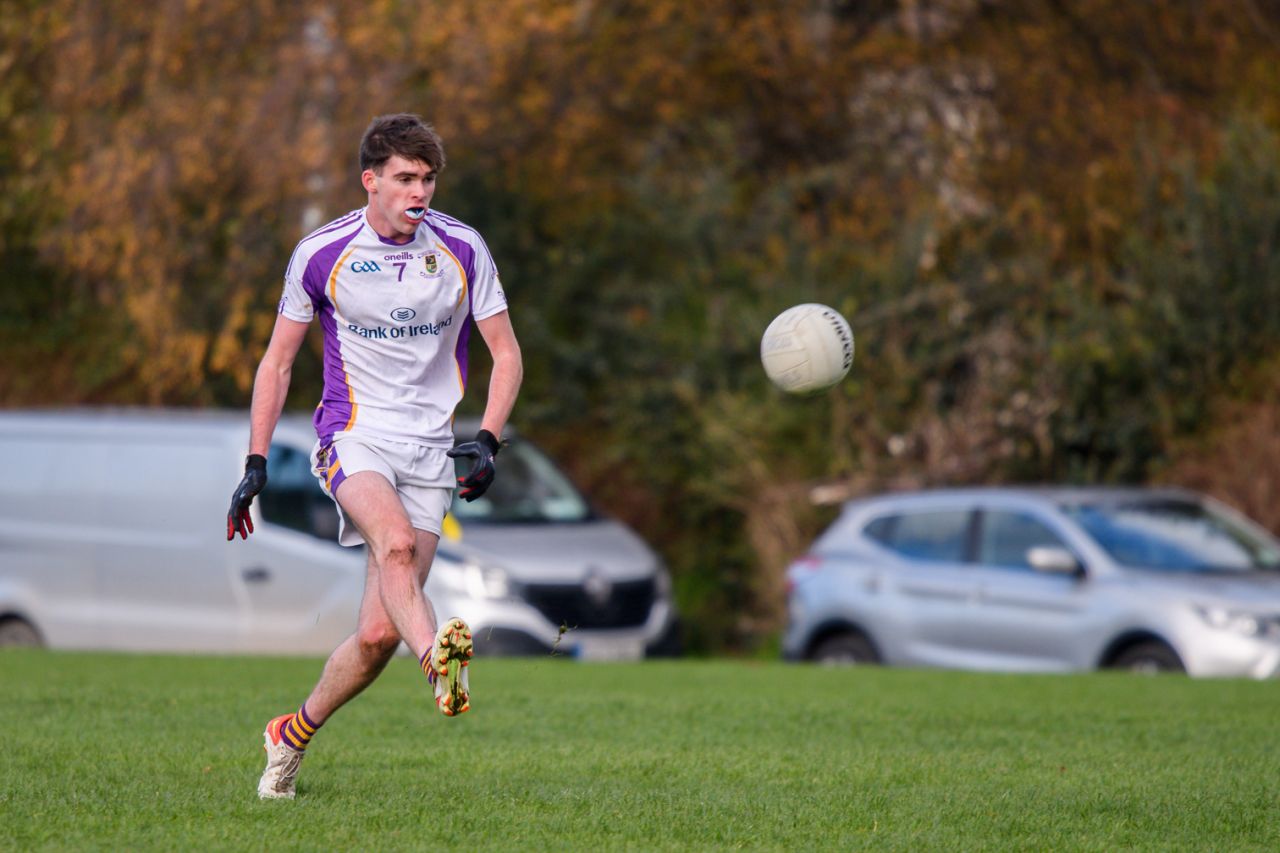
x,y
395,318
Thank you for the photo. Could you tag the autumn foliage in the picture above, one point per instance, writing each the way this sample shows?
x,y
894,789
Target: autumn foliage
x,y
1053,224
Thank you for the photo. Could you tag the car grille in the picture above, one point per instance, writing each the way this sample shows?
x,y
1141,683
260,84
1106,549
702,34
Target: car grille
x,y
624,605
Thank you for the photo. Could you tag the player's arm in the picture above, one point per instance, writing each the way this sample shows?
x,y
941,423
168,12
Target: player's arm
x,y
271,385
504,385
508,370
270,388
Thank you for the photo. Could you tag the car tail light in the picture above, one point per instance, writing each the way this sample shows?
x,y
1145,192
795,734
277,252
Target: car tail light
x,y
801,568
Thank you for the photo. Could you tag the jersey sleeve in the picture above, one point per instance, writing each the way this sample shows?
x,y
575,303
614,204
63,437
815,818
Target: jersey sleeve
x,y
295,302
487,296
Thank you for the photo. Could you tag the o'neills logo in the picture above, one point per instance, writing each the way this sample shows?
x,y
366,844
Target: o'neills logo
x,y
399,256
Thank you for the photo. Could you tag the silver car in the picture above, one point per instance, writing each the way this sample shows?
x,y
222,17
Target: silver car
x,y
544,571
111,537
1040,580
531,566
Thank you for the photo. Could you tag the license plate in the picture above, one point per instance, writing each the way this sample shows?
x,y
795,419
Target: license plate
x,y
608,648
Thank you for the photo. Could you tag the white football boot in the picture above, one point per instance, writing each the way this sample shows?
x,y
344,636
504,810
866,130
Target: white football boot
x,y
282,763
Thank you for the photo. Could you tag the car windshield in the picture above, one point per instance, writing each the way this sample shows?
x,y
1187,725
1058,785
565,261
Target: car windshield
x,y
1177,536
528,489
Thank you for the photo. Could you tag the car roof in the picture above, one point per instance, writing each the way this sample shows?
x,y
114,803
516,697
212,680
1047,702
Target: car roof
x,y
1058,495
126,417
135,423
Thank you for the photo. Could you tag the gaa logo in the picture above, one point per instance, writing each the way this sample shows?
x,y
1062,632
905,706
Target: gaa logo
x,y
365,266
403,315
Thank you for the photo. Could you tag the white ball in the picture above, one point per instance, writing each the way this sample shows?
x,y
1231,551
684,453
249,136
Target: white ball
x,y
807,348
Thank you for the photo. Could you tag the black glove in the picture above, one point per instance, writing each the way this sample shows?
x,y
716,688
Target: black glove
x,y
481,452
255,480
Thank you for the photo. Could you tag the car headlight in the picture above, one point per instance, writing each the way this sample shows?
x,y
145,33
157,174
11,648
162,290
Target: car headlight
x,y
486,581
663,580
1239,621
472,579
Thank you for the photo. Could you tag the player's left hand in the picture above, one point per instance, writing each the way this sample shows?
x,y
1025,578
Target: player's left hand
x,y
481,453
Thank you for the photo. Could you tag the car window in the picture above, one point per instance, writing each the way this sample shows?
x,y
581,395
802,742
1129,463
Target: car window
x,y
929,535
1005,538
1175,535
293,497
881,529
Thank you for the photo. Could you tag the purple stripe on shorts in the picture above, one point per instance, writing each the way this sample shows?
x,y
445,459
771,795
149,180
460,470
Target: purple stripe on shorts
x,y
327,461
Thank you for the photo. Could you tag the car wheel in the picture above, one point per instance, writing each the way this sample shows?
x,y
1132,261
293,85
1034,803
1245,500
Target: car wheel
x,y
18,633
845,649
1149,659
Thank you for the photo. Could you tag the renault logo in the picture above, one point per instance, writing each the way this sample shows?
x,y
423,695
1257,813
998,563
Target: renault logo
x,y
599,589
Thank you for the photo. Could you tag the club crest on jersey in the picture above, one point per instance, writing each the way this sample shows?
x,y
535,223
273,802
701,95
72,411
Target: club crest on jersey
x,y
429,261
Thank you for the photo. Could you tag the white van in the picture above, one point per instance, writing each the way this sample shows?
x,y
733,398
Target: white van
x,y
113,536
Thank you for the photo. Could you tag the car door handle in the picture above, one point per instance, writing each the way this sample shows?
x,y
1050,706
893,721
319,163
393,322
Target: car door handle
x,y
936,593
257,574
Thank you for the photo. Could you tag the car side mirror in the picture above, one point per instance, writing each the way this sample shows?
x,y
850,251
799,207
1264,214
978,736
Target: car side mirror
x,y
1054,559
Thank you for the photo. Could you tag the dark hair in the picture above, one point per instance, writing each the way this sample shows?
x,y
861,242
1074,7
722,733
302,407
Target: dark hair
x,y
404,134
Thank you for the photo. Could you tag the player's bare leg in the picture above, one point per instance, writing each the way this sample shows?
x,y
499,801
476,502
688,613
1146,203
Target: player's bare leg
x,y
397,556
390,584
359,659
400,558
352,667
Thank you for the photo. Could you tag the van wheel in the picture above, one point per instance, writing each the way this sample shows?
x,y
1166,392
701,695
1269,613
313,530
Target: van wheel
x,y
18,633
845,649
1149,659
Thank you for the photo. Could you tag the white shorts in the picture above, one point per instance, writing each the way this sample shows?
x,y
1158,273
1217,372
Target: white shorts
x,y
422,476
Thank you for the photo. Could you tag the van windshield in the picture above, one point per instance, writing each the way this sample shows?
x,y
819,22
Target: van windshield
x,y
528,489
1176,536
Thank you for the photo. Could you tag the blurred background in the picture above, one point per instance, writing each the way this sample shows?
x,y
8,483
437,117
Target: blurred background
x,y
1053,225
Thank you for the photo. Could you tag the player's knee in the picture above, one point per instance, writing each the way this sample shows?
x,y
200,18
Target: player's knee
x,y
399,551
378,642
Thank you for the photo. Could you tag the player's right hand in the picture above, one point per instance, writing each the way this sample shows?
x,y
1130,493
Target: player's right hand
x,y
255,480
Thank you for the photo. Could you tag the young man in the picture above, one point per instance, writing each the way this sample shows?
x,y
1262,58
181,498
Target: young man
x,y
396,286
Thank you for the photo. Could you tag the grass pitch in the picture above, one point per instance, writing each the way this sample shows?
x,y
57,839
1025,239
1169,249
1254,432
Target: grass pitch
x,y
117,752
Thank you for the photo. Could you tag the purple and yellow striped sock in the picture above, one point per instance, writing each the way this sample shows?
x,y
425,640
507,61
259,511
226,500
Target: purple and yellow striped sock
x,y
427,668
298,730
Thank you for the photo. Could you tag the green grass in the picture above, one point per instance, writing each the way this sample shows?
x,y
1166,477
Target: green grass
x,y
132,752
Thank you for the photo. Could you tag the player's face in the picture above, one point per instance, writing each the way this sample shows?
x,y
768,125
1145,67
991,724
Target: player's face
x,y
399,197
